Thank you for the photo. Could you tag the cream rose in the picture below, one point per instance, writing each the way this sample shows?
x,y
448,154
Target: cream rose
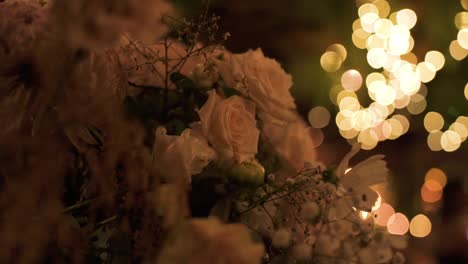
x,y
200,241
230,127
177,158
293,142
260,79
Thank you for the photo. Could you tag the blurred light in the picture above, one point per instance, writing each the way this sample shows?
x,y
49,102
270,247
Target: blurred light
x,y
426,71
437,175
319,117
368,20
351,80
398,224
464,3
407,18
435,58
460,129
359,38
361,120
397,128
368,138
433,141
356,24
420,226
378,203
461,20
383,6
366,9
417,105
399,40
364,215
382,214
405,124
433,121
430,196
450,141
385,95
410,57
334,91
330,61
349,134
382,28
456,51
466,91
433,185
377,57
462,38
340,50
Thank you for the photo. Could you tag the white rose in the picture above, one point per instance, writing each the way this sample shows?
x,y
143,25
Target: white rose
x,y
177,158
230,127
200,241
260,79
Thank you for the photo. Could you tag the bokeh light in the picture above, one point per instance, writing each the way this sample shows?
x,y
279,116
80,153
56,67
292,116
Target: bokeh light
x,y
330,61
437,175
433,141
351,80
456,51
450,141
398,224
433,121
420,226
319,117
435,58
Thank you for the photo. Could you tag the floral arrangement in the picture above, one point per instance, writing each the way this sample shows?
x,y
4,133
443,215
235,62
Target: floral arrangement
x,y
127,140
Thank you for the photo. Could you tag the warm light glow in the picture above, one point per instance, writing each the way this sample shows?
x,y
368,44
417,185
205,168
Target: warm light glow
x,y
433,121
351,80
382,214
385,95
435,58
433,141
460,129
340,50
450,141
420,226
359,38
462,38
383,6
464,3
407,18
466,91
426,71
382,28
405,124
456,51
330,61
319,117
461,20
368,20
417,104
430,196
377,57
366,9
433,186
436,175
398,224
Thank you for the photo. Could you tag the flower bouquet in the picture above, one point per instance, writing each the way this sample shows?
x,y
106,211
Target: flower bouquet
x,y
133,137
